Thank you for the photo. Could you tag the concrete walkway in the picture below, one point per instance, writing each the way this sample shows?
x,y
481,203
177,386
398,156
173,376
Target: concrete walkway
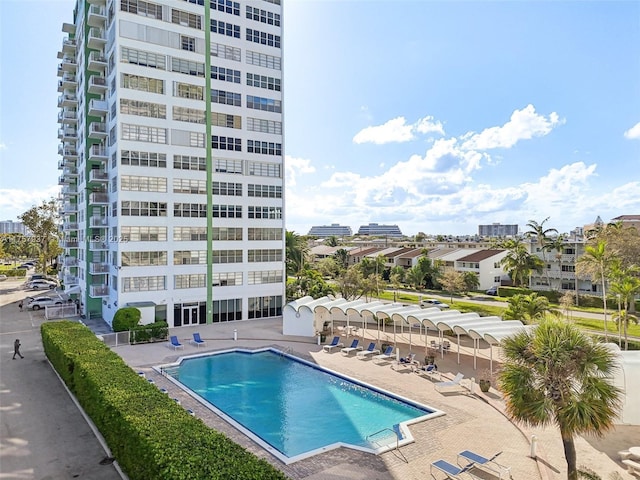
x,y
44,435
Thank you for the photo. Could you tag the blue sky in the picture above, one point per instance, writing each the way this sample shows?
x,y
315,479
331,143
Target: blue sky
x,y
435,116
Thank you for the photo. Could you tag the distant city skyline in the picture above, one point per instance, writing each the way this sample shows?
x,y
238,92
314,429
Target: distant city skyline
x,y
451,116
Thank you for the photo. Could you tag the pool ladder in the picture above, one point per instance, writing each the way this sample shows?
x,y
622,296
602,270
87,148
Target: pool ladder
x,y
396,432
286,351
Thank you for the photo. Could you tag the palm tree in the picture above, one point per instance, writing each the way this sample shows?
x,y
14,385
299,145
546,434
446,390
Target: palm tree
x,y
529,308
296,251
519,263
537,230
342,258
626,287
594,263
557,375
556,243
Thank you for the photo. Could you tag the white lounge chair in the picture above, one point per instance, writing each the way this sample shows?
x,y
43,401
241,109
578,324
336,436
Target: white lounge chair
x,y
451,470
354,347
482,461
455,382
335,343
371,350
384,356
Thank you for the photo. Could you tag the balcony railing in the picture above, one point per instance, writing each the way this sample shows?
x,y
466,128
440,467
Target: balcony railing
x,y
99,198
98,153
97,130
97,291
67,100
97,16
97,62
69,261
96,268
98,246
96,175
96,221
98,108
97,83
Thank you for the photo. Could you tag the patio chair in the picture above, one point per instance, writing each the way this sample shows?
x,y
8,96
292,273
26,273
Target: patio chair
x,y
173,342
354,347
384,356
482,461
451,470
197,341
371,350
455,382
335,343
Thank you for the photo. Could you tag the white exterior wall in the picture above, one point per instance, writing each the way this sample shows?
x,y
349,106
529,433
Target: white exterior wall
x,y
164,39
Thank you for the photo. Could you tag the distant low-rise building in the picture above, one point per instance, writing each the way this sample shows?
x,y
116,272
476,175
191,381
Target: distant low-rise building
x,y
374,229
497,230
333,230
628,221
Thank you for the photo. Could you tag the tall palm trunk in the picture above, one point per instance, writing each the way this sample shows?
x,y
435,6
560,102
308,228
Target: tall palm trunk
x,y
604,304
569,454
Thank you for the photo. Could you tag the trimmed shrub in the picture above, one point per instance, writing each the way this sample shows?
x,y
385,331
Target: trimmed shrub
x,y
149,333
125,319
149,434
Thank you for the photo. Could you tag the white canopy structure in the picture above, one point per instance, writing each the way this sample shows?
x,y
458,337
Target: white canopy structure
x,y
307,316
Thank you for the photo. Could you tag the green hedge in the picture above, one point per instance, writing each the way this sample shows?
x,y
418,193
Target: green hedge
x,y
149,333
150,435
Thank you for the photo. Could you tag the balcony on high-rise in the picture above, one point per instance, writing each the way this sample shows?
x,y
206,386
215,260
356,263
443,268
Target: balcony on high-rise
x,y
98,108
97,16
68,81
68,116
97,84
97,291
98,198
96,39
98,130
99,268
69,46
69,64
67,100
67,133
98,221
97,153
98,176
97,62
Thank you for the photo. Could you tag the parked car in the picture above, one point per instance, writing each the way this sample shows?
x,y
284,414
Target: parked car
x,y
3,278
492,291
41,285
431,302
41,302
26,267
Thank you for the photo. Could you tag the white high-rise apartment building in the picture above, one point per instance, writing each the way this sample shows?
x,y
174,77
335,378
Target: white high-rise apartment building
x,y
172,158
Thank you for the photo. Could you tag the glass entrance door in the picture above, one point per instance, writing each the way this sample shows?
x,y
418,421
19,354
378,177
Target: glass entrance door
x,y
190,315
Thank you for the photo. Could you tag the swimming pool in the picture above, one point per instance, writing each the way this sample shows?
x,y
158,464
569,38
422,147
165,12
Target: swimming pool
x,y
294,408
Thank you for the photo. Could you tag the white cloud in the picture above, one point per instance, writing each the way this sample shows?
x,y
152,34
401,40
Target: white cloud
x,y
296,166
15,202
633,133
397,130
523,125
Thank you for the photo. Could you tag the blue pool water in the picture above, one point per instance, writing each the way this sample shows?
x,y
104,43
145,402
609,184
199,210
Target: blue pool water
x,y
293,406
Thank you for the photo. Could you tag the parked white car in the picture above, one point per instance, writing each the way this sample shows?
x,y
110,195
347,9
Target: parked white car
x,y
41,285
431,302
41,302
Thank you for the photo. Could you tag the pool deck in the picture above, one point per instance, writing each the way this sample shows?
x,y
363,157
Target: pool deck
x,y
44,435
473,421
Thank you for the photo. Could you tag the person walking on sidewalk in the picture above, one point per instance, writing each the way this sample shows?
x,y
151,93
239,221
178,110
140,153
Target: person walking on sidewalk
x,y
20,305
16,349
